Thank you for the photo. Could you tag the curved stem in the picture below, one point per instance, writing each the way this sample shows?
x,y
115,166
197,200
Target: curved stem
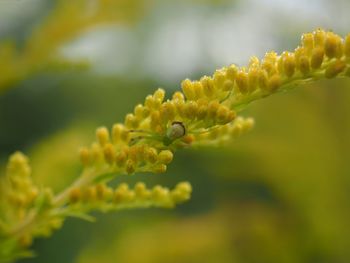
x,y
84,179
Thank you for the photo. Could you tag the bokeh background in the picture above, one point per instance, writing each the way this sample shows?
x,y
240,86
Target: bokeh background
x,y
278,194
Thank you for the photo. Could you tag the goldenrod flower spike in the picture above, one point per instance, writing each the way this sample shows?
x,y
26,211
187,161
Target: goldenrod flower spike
x,y
18,188
321,55
104,198
210,105
204,113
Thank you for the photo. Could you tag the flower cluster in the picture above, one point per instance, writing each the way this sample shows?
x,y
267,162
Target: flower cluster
x,y
225,133
149,136
21,200
119,155
321,55
105,198
18,188
204,113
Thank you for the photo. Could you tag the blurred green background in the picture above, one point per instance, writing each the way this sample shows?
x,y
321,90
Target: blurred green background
x,y
278,194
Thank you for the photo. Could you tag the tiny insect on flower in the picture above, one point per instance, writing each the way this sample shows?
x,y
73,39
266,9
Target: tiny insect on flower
x,y
175,131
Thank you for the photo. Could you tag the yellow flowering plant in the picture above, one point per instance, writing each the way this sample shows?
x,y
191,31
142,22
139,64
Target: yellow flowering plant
x,y
67,20
206,112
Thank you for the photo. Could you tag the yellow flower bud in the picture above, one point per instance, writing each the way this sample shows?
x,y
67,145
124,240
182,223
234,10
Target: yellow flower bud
x,y
253,62
122,194
150,102
188,139
131,122
141,192
187,88
141,111
335,68
208,86
184,187
317,57
151,155
333,45
178,96
109,153
219,78
248,124
135,153
167,111
165,157
228,85
242,82
198,89
124,187
231,72
121,158
90,194
308,42
159,168
18,165
270,62
253,78
74,195
191,110
202,112
274,83
304,65
116,132
212,109
103,192
102,135
130,166
85,156
100,190
298,53
289,64
156,104
319,38
160,194
159,95
180,108
263,79
155,120
96,153
182,192
224,115
129,196
231,116
125,135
